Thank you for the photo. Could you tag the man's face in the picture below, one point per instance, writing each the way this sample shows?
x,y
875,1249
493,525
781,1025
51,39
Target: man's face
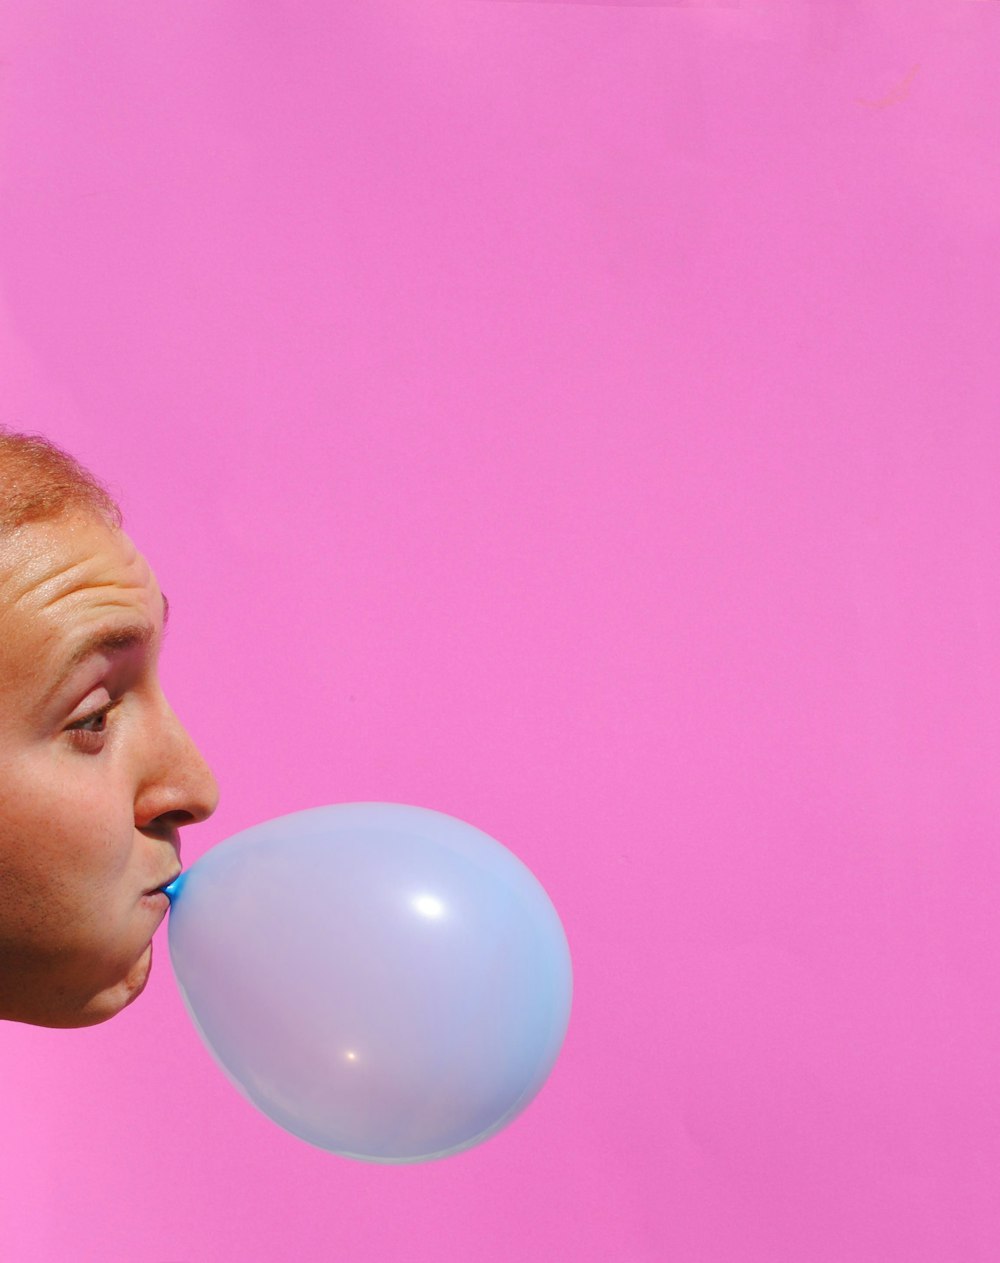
x,y
90,803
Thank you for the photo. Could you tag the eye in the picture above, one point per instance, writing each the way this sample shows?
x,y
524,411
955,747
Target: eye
x,y
98,717
89,730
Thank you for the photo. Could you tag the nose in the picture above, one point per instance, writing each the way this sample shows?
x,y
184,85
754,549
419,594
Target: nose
x,y
177,786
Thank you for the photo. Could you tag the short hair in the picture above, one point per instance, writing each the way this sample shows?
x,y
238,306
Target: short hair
x,y
40,482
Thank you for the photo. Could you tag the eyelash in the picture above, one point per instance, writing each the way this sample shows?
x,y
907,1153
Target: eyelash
x,y
84,737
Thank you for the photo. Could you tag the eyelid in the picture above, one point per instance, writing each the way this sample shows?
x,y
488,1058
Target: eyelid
x,y
91,708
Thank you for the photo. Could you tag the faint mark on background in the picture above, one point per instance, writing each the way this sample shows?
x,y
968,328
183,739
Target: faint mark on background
x,y
897,94
633,4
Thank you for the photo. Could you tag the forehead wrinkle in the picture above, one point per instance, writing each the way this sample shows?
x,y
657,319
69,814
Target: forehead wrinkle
x,y
107,605
112,614
81,578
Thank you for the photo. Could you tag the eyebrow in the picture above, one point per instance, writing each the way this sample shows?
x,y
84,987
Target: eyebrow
x,y
112,640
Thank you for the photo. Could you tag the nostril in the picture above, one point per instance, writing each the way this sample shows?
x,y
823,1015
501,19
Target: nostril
x,y
166,828
170,821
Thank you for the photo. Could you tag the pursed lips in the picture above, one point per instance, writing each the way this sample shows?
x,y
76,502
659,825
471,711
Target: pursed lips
x,y
174,840
158,889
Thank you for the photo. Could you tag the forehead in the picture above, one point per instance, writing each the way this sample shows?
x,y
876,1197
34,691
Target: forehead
x,y
61,578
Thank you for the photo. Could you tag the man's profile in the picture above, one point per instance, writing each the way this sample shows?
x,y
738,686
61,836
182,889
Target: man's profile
x,y
97,775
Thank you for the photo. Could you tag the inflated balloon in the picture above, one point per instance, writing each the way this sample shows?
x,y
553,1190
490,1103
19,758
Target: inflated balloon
x,y
384,981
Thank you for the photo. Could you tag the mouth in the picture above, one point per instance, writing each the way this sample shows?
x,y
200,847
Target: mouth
x,y
158,889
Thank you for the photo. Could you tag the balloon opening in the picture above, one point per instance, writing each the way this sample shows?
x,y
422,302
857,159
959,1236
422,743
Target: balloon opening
x,y
174,889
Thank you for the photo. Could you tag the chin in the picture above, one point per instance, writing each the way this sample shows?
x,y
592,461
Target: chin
x,y
130,988
66,1003
109,1003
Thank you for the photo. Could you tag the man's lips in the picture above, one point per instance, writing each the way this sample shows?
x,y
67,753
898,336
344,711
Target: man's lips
x,y
165,835
158,889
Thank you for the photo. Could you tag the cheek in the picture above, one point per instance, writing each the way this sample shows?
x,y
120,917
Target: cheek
x,y
62,825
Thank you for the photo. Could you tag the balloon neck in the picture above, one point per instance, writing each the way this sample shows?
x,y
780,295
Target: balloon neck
x,y
174,889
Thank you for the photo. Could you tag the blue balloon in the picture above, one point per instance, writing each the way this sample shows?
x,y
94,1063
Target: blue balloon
x,y
383,981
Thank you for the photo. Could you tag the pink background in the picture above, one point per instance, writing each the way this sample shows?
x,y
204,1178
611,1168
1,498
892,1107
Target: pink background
x,y
580,419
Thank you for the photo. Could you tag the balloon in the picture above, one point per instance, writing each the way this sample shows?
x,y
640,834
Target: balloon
x,y
383,981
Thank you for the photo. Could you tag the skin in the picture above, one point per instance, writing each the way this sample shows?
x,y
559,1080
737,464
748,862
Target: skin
x,y
90,806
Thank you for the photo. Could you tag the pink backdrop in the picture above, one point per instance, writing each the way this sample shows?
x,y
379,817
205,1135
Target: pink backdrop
x,y
580,419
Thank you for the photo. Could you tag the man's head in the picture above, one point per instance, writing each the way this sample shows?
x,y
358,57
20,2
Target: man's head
x,y
96,773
